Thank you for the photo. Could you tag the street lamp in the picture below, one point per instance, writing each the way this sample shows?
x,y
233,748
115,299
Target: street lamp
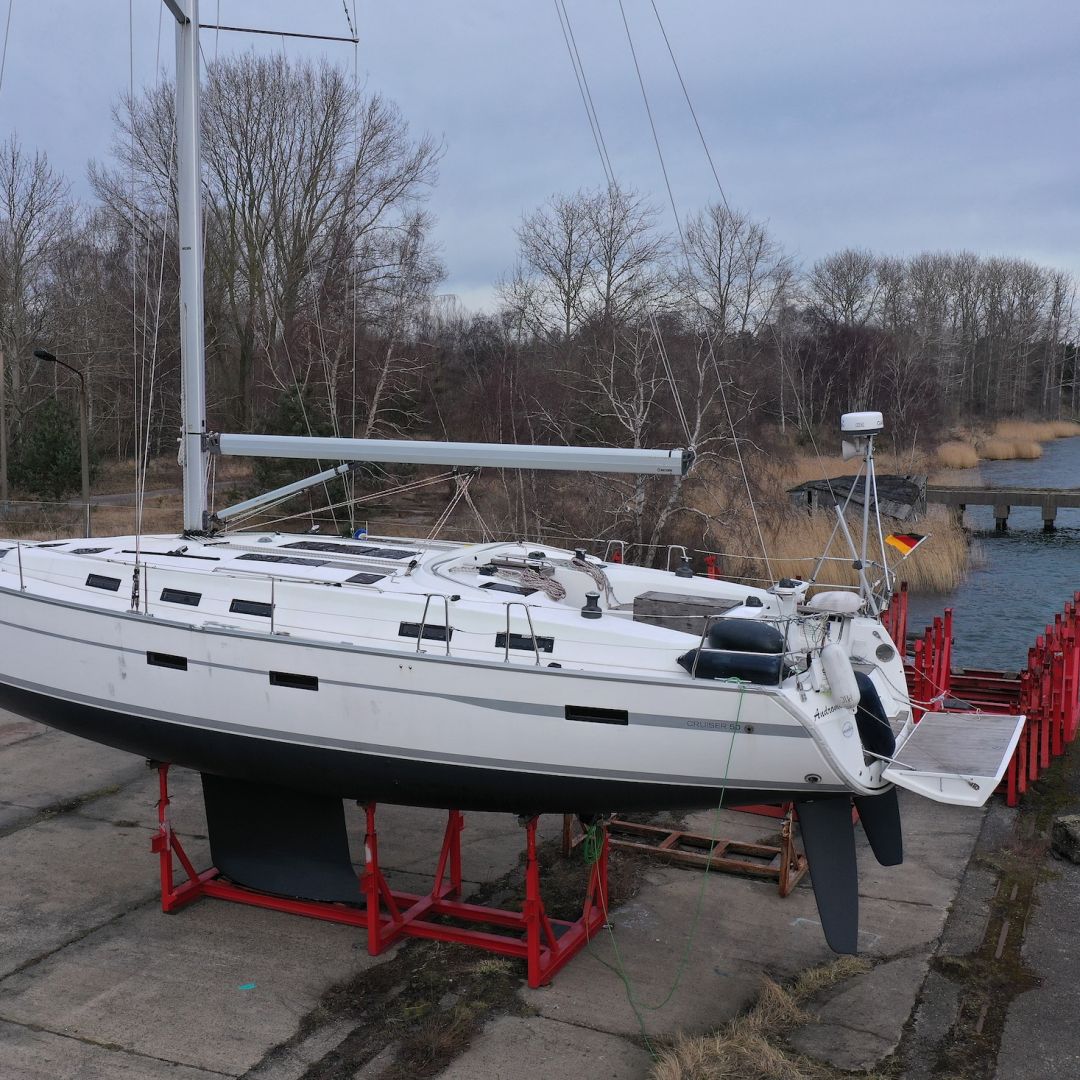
x,y
44,354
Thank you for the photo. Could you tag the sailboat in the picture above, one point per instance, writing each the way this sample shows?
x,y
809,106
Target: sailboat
x,y
500,676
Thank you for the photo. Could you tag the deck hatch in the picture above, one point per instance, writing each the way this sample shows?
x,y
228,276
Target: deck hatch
x,y
167,660
261,556
251,607
100,581
525,641
366,579
180,596
296,682
590,714
369,550
432,631
500,586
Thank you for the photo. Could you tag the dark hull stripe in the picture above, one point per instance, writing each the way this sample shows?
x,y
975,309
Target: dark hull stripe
x,y
375,778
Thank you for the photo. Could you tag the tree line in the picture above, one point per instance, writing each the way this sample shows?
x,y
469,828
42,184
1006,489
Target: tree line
x,y
323,309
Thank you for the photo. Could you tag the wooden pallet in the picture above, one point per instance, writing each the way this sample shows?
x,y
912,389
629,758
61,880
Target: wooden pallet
x,y
781,863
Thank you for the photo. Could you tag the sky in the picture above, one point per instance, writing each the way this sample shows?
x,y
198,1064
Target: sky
x,y
900,127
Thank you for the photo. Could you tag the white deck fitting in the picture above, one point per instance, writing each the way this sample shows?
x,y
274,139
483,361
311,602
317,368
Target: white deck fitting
x,y
956,758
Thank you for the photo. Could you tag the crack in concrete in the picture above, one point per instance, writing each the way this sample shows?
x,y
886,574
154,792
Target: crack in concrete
x,y
114,1047
63,806
35,960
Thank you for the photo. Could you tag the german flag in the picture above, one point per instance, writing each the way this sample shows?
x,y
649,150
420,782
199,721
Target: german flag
x,y
905,543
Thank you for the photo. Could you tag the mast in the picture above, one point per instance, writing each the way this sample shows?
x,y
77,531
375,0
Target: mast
x,y
192,330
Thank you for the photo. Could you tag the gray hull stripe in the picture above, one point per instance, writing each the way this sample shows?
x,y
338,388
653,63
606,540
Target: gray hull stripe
x,y
353,746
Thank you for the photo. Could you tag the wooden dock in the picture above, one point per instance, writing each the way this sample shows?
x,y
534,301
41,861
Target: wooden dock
x,y
1003,499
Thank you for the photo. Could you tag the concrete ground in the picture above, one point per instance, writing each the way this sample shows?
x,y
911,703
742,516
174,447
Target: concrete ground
x,y
96,983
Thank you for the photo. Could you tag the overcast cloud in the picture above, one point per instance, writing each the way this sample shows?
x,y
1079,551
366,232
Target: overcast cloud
x,y
900,127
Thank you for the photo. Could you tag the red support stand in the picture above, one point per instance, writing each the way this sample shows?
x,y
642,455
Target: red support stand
x,y
545,944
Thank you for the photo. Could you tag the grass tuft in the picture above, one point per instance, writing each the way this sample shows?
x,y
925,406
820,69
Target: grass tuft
x,y
956,455
747,1048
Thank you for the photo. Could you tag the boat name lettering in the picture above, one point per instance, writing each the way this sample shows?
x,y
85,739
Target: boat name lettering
x,y
823,712
717,725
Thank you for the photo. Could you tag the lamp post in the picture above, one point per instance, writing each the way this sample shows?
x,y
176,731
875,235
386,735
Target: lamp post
x,y
44,354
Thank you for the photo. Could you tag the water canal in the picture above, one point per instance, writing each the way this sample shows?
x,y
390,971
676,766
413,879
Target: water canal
x,y
1023,576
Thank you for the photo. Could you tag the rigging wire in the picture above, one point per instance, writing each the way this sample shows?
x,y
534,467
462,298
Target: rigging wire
x,y
686,252
735,232
7,34
583,89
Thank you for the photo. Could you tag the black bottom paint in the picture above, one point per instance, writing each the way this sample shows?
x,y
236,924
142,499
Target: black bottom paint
x,y
369,777
290,843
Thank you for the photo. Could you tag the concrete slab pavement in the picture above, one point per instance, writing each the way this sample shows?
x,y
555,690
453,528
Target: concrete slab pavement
x,y
98,979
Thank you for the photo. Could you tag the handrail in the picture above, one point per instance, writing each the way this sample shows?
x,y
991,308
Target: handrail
x,y
622,546
423,619
674,547
532,630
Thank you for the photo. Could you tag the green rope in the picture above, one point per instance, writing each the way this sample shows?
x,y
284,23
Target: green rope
x,y
592,843
618,967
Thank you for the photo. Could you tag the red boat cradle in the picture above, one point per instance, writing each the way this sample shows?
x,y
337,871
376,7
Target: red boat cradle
x,y
545,944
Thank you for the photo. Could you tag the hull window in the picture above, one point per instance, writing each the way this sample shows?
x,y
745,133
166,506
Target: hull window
x,y
597,716
250,607
297,682
432,632
525,642
160,659
181,596
99,581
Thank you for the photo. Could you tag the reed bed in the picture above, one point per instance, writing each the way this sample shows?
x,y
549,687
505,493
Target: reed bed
x,y
1037,430
956,455
796,539
750,1047
1001,449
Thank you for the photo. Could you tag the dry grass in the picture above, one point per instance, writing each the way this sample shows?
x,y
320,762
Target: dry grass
x,y
748,1048
795,540
803,467
1001,449
956,455
1037,430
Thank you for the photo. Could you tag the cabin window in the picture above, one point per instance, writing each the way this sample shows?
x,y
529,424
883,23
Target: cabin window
x,y
432,631
88,551
525,641
589,714
99,581
297,682
181,596
251,607
160,659
500,586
